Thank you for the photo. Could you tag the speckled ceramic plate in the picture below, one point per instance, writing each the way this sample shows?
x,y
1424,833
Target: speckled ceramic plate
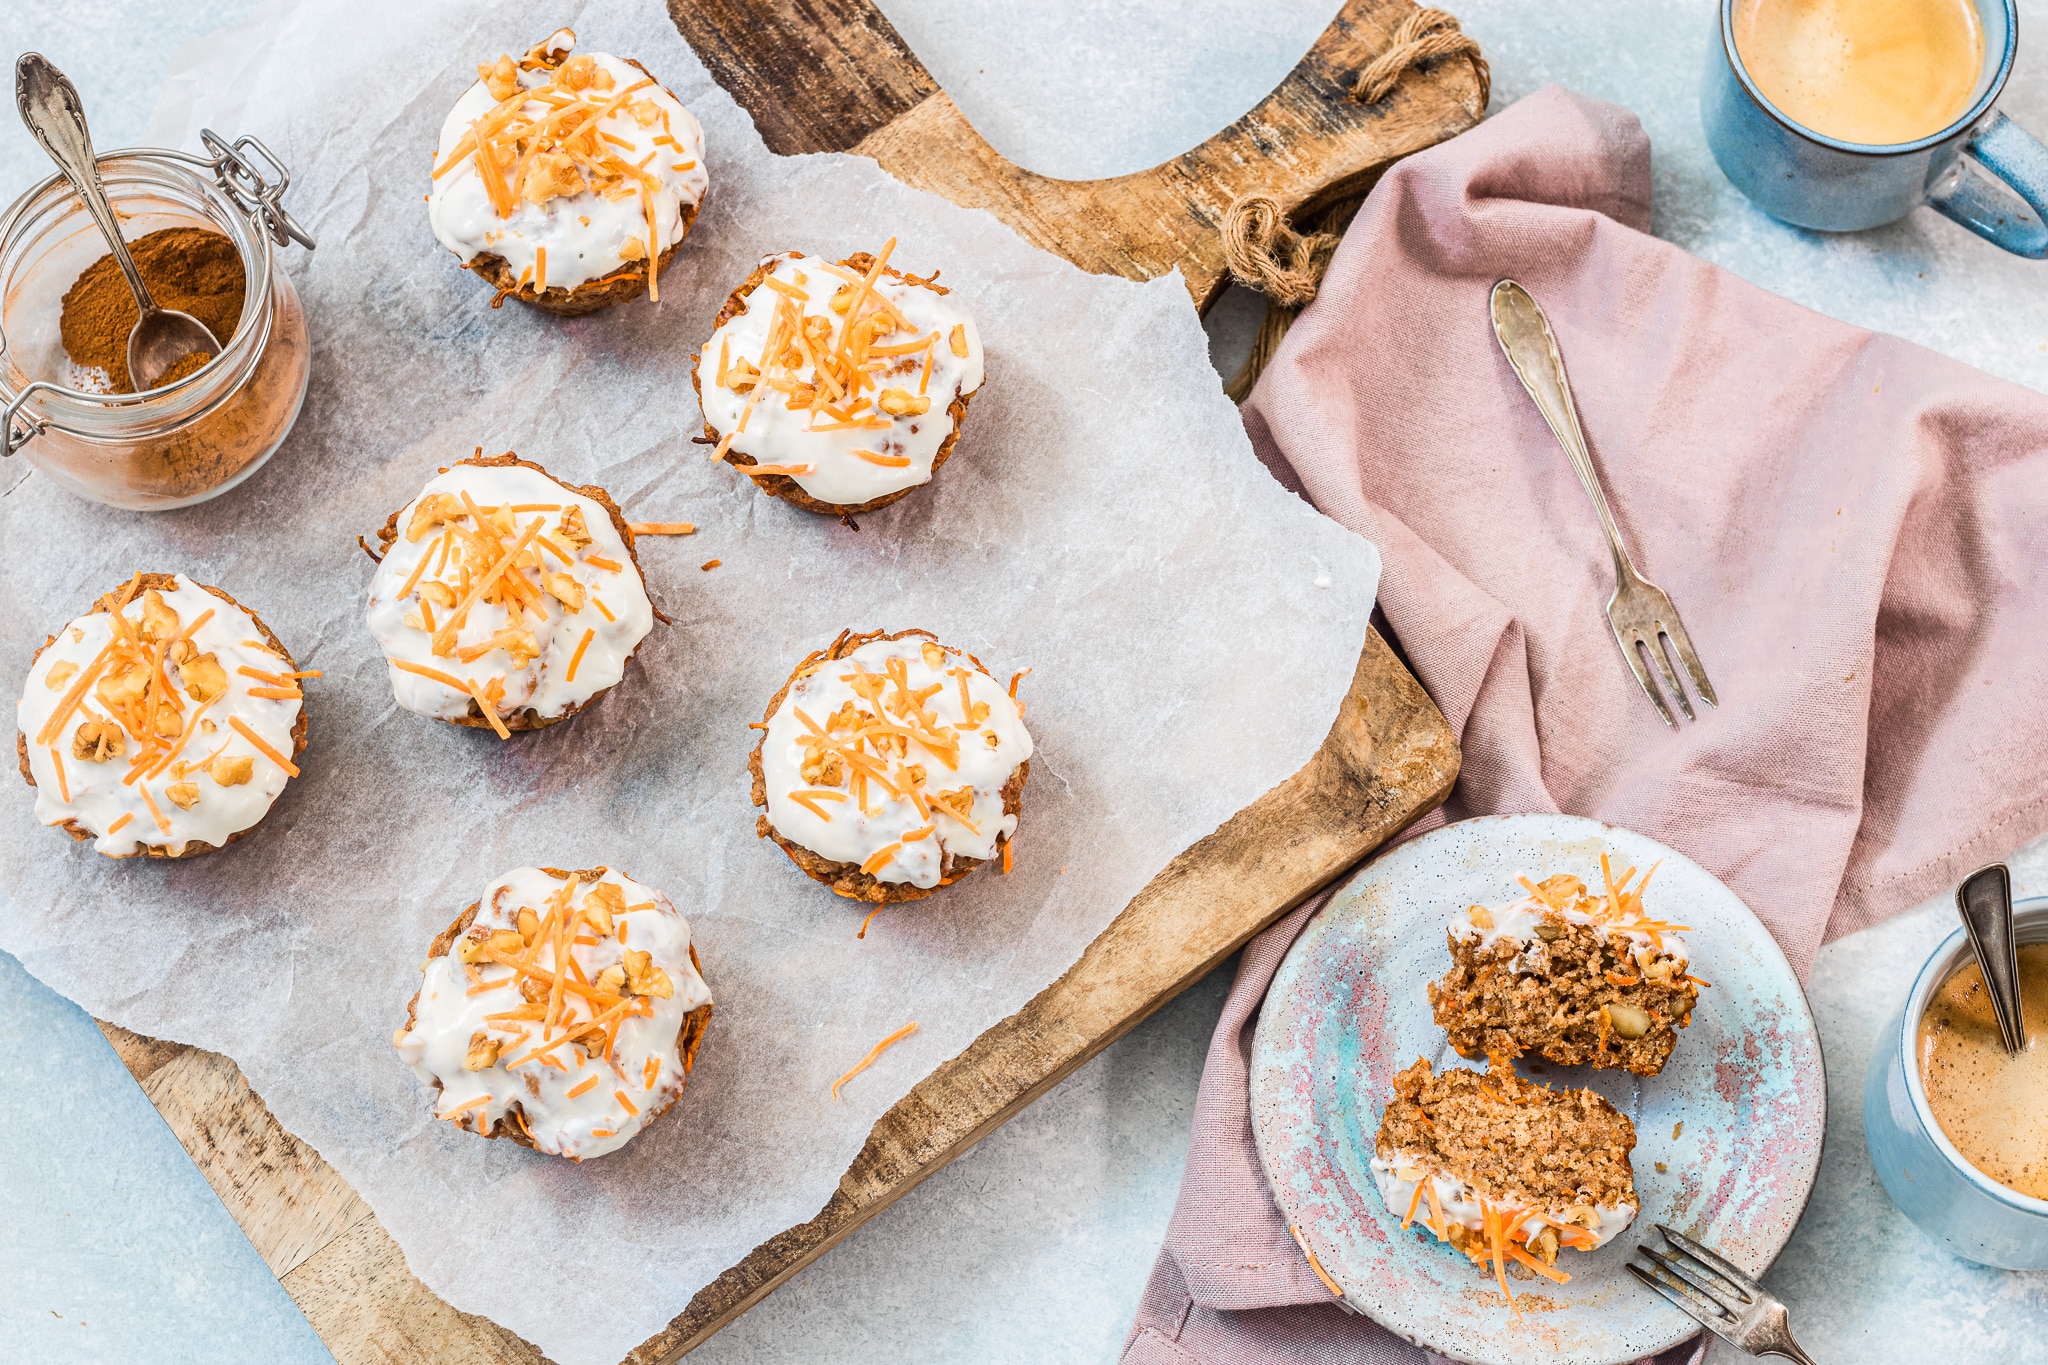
x,y
1727,1138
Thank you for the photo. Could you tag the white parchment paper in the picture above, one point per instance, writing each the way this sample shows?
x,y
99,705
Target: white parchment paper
x,y
1191,627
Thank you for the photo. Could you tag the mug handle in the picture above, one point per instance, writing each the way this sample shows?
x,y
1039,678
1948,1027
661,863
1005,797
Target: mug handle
x,y
2010,153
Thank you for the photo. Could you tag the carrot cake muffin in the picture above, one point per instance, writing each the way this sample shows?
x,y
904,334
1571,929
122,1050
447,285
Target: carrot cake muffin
x,y
1577,978
891,765
838,387
507,598
1505,1170
164,721
567,182
563,1010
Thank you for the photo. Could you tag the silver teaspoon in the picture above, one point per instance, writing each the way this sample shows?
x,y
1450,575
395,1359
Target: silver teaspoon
x,y
51,108
1985,900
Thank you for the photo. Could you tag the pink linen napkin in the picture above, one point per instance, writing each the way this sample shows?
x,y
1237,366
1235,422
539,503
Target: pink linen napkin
x,y
1854,529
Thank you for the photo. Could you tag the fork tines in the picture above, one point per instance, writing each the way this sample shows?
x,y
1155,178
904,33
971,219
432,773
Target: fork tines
x,y
1645,622
1703,1284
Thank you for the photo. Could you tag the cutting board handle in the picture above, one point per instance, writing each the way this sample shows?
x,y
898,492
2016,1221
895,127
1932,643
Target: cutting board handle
x,y
835,76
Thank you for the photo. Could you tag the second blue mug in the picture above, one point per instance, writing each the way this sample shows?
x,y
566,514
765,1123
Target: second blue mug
x,y
1816,181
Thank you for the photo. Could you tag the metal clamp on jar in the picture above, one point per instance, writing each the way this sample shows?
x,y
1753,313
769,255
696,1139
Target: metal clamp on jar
x,y
195,436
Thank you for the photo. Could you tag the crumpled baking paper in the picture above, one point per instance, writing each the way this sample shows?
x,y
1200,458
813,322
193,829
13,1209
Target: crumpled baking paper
x,y
1190,626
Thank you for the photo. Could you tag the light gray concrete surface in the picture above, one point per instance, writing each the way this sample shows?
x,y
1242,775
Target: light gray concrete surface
x,y
1034,1246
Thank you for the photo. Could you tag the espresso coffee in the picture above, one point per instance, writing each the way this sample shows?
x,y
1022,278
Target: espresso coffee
x,y
1869,71
1994,1108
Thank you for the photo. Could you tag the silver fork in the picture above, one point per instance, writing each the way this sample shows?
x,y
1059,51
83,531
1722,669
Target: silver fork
x,y
1727,1302
1640,611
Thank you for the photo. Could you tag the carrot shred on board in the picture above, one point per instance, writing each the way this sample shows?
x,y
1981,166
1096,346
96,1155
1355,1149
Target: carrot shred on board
x,y
662,528
581,1087
866,922
1006,857
708,565
263,747
879,1048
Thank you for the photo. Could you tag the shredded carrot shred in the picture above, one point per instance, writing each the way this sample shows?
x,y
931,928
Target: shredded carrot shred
x,y
622,1098
583,1086
866,922
577,657
263,746
879,1048
1313,1263
63,783
120,824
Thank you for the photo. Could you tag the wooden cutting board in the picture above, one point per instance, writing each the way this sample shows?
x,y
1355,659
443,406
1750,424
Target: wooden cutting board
x,y
832,75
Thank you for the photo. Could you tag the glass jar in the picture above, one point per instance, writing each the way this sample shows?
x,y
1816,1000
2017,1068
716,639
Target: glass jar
x,y
201,435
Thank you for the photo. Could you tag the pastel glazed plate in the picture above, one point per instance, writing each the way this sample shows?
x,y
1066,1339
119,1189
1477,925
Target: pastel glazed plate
x,y
1735,1120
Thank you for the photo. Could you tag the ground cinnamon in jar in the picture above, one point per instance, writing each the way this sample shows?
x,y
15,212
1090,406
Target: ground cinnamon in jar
x,y
188,270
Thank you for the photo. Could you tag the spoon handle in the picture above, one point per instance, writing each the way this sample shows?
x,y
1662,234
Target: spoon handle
x,y
51,108
1985,901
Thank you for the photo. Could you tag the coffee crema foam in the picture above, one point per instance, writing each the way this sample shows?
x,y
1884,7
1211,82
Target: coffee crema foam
x,y
1877,72
1994,1108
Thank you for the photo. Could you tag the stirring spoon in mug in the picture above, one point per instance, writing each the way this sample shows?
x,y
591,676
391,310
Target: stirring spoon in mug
x,y
1985,901
51,108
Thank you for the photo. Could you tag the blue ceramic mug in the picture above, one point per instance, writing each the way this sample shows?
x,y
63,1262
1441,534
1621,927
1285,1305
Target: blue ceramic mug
x,y
1932,1183
1816,181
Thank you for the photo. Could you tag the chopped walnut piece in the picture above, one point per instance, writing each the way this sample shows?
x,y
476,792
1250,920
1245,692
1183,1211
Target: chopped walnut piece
x,y
632,249
572,528
1481,917
507,941
583,73
533,989
990,738
204,678
183,651
185,795
956,340
159,622
741,376
550,175
231,770
549,52
843,298
437,592
433,509
847,717
529,923
824,768
978,714
415,621
934,657
914,774
801,396
903,403
612,980
470,947
96,741
501,77
483,1052
116,690
644,978
564,589
602,905
169,723
60,673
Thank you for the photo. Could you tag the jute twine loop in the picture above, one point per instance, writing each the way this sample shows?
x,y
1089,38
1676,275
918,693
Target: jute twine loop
x,y
1424,36
1264,253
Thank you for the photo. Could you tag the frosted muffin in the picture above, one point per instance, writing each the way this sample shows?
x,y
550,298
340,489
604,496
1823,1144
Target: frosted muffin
x,y
563,1010
165,721
567,182
841,386
1505,1170
891,765
1572,977
506,598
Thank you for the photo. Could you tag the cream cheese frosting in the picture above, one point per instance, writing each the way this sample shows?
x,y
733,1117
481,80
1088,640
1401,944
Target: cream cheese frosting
x,y
167,756
586,1065
896,354
591,197
554,630
1566,899
893,757
1587,1226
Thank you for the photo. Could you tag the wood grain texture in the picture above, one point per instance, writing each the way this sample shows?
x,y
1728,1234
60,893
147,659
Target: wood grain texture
x,y
832,75
1307,144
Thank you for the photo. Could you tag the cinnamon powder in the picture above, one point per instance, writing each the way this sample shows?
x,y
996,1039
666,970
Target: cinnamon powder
x,y
187,269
